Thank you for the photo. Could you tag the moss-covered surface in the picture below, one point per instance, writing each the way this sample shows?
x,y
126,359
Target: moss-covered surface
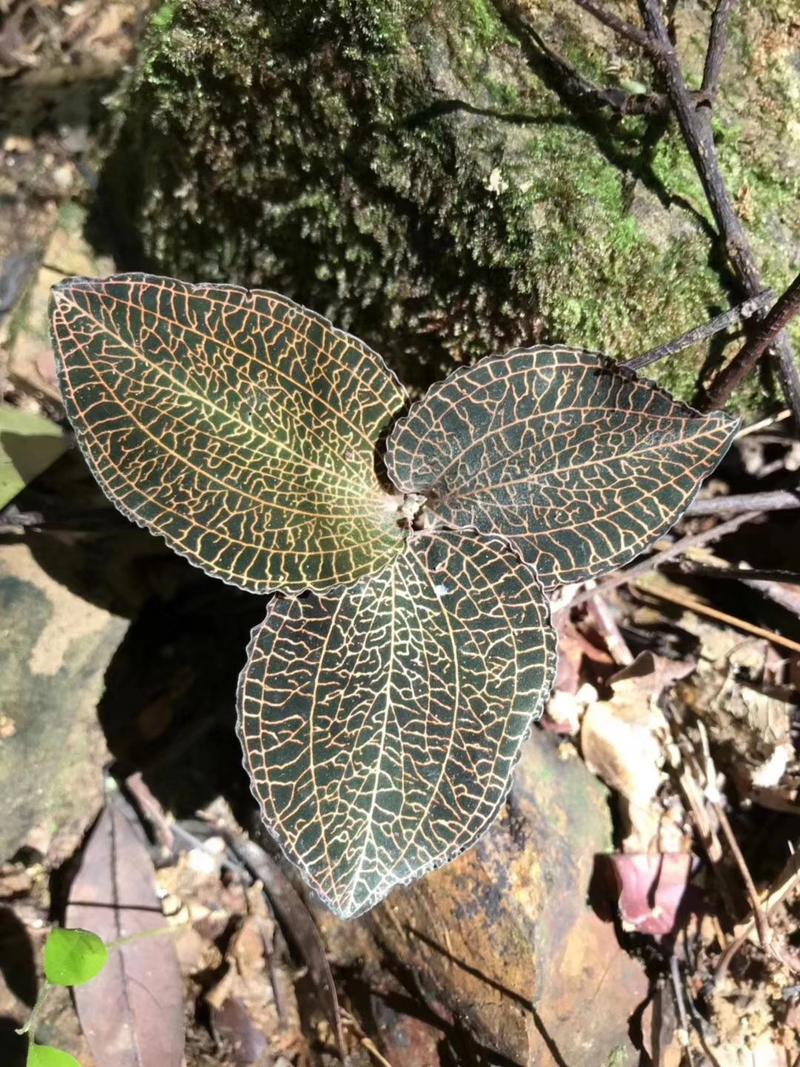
x,y
416,173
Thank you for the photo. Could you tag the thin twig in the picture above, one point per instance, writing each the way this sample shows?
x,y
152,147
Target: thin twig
x,y
582,92
700,333
677,987
763,337
695,125
618,25
759,916
767,423
288,905
778,500
716,46
677,548
690,603
771,584
786,882
740,574
607,626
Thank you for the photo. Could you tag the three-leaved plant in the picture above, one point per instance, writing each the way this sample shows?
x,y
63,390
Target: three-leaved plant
x,y
408,648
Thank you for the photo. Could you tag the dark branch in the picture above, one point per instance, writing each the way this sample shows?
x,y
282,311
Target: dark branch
x,y
574,84
763,337
618,25
740,574
700,333
717,40
695,125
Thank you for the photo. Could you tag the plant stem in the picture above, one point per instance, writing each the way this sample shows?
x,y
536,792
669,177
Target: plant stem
x,y
30,1026
144,935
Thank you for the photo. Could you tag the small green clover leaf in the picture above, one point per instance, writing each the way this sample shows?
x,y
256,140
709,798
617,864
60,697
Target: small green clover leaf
x,y
73,957
44,1056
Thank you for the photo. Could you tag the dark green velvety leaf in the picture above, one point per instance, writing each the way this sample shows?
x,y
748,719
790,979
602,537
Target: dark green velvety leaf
x,y
236,424
381,726
575,461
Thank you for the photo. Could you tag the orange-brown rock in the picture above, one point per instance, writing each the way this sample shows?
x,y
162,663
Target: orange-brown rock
x,y
504,937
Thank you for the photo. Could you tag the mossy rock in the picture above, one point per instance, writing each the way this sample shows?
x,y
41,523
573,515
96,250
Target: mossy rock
x,y
424,177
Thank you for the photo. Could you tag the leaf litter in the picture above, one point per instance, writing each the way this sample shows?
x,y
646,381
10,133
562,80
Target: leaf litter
x,y
695,738
689,722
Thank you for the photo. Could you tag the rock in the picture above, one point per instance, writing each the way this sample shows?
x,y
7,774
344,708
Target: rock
x,y
504,937
54,649
425,176
31,365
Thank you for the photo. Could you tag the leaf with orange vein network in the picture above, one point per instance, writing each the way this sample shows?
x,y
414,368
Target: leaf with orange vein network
x,y
238,425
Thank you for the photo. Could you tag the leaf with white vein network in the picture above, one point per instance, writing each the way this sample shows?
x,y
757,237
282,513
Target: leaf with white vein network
x,y
238,425
573,460
381,726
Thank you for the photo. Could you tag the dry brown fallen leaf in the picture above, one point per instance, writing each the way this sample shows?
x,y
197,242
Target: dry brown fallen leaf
x,y
623,741
132,1013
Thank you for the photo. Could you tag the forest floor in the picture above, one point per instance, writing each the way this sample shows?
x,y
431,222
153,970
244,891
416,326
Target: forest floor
x,y
678,687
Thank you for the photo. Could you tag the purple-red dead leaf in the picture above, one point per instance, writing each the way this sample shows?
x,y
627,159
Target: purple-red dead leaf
x,y
652,889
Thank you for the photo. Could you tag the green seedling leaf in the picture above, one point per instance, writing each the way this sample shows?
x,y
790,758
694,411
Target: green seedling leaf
x,y
236,424
44,1056
29,443
381,726
73,957
574,461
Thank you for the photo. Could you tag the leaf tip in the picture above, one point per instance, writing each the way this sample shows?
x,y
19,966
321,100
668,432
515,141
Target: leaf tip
x,y
62,294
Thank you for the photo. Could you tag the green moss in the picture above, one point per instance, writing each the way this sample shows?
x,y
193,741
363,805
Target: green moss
x,y
321,150
618,1058
481,20
163,17
71,216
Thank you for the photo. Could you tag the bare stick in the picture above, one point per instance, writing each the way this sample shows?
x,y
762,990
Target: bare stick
x,y
786,882
700,333
690,603
779,500
574,85
607,626
676,549
677,987
759,917
618,25
764,336
716,46
695,125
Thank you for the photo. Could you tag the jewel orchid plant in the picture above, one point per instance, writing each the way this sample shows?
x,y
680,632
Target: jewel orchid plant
x,y
406,648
